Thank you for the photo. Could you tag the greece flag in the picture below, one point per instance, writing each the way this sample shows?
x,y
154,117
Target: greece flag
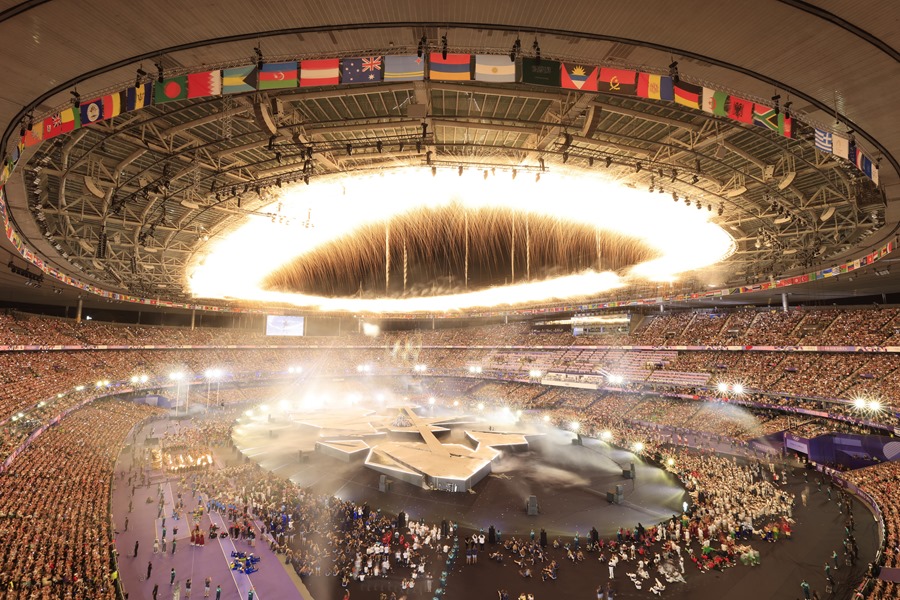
x,y
824,141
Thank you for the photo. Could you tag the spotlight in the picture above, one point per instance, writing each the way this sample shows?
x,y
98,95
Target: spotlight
x,y
541,163
160,73
565,157
738,388
259,58
537,51
608,161
76,98
590,161
419,147
444,46
485,174
349,149
722,387
423,41
460,170
514,173
379,146
139,77
516,48
537,177
638,167
721,210
776,103
673,71
700,206
709,207
874,405
434,172
674,175
859,403
695,179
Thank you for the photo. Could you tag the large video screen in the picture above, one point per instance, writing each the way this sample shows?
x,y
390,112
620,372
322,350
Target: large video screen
x,y
284,325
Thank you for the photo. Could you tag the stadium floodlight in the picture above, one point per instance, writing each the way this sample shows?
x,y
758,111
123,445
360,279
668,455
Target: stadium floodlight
x,y
670,461
176,376
249,412
264,407
481,406
431,401
456,403
723,387
860,403
144,378
370,329
546,418
534,374
738,388
283,404
575,426
874,405
135,379
79,388
638,447
420,368
606,435
615,379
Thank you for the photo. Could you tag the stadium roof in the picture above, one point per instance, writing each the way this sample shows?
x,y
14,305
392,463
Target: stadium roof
x,y
158,183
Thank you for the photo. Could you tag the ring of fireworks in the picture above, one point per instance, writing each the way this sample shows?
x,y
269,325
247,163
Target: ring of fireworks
x,y
347,221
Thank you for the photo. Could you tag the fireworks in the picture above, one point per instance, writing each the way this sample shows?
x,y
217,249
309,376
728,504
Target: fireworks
x,y
465,241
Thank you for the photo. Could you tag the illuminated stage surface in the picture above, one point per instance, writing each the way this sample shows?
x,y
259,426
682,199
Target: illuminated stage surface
x,y
346,451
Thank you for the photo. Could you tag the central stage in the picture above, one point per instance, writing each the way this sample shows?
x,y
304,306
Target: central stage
x,y
570,481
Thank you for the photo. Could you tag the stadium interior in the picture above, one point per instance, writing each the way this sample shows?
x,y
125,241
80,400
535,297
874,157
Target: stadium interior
x,y
450,300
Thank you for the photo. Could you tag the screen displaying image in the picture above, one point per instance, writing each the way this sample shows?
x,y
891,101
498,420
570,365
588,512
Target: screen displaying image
x,y
283,325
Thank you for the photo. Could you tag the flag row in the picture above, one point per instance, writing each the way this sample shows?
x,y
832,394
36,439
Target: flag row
x,y
844,147
435,66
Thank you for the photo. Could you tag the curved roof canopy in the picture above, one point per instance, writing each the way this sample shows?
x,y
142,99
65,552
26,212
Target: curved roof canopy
x,y
131,203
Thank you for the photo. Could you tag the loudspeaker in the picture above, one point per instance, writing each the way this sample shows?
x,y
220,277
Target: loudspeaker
x,y
531,506
628,473
382,483
616,496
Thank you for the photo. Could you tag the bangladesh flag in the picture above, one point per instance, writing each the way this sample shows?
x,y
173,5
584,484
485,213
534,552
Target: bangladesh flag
x,y
170,90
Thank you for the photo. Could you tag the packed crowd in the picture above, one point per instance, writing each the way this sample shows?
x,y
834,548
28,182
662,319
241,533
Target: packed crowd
x,y
54,507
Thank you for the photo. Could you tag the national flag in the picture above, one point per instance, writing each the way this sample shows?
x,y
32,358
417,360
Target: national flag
x,y
34,136
64,121
326,71
238,80
279,76
170,90
138,97
208,83
765,116
541,72
840,146
715,102
100,109
655,87
688,94
456,67
405,67
365,69
91,111
579,77
740,110
823,140
618,81
495,68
